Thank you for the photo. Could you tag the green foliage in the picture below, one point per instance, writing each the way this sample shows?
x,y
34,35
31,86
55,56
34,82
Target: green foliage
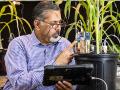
x,y
14,18
98,14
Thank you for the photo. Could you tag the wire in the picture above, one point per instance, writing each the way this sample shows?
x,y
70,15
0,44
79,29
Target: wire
x,y
95,78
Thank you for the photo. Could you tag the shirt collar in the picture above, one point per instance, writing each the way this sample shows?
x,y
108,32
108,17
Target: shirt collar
x,y
35,41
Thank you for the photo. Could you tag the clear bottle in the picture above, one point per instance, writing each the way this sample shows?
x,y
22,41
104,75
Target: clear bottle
x,y
87,42
81,42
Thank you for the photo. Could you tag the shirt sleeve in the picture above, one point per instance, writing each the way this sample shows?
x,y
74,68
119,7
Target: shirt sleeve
x,y
16,66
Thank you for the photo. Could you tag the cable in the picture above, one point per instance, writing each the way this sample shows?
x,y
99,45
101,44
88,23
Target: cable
x,y
95,78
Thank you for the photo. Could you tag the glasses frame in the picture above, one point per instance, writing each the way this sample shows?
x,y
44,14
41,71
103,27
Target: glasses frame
x,y
54,25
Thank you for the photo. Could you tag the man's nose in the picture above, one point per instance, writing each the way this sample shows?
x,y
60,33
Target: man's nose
x,y
58,28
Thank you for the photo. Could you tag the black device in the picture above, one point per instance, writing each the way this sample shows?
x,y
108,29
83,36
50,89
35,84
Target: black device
x,y
75,74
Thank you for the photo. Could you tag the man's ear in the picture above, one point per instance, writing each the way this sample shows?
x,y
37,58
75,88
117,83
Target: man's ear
x,y
37,24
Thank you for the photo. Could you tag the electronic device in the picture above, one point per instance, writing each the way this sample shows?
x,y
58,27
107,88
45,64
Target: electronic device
x,y
75,74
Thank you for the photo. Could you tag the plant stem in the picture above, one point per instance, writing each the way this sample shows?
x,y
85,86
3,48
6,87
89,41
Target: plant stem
x,y
97,28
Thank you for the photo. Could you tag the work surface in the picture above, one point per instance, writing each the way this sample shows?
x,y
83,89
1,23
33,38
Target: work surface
x,y
2,81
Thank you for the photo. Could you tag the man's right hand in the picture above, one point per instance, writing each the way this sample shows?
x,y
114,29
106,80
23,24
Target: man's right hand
x,y
66,55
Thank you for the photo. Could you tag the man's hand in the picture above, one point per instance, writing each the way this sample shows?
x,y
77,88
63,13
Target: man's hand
x,y
66,56
64,85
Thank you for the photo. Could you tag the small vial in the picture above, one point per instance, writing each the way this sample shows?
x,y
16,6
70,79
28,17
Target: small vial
x,y
87,42
104,47
81,44
77,37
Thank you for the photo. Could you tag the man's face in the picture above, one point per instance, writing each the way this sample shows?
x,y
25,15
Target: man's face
x,y
50,26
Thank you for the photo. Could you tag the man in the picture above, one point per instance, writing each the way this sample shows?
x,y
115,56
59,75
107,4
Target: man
x,y
27,55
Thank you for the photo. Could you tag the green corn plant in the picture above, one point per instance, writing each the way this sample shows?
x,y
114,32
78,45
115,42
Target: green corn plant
x,y
98,14
12,13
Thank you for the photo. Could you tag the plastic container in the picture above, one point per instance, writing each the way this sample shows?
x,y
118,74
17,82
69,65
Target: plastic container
x,y
105,66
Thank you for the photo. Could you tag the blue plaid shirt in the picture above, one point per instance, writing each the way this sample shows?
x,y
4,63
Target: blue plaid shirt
x,y
25,60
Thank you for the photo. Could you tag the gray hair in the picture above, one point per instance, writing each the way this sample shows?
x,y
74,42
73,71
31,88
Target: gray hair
x,y
41,7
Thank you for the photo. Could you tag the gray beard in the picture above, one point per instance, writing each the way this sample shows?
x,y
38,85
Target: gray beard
x,y
55,39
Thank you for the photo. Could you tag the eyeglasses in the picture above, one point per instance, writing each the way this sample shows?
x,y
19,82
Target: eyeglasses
x,y
55,24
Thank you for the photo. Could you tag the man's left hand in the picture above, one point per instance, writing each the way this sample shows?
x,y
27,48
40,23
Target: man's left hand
x,y
64,85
